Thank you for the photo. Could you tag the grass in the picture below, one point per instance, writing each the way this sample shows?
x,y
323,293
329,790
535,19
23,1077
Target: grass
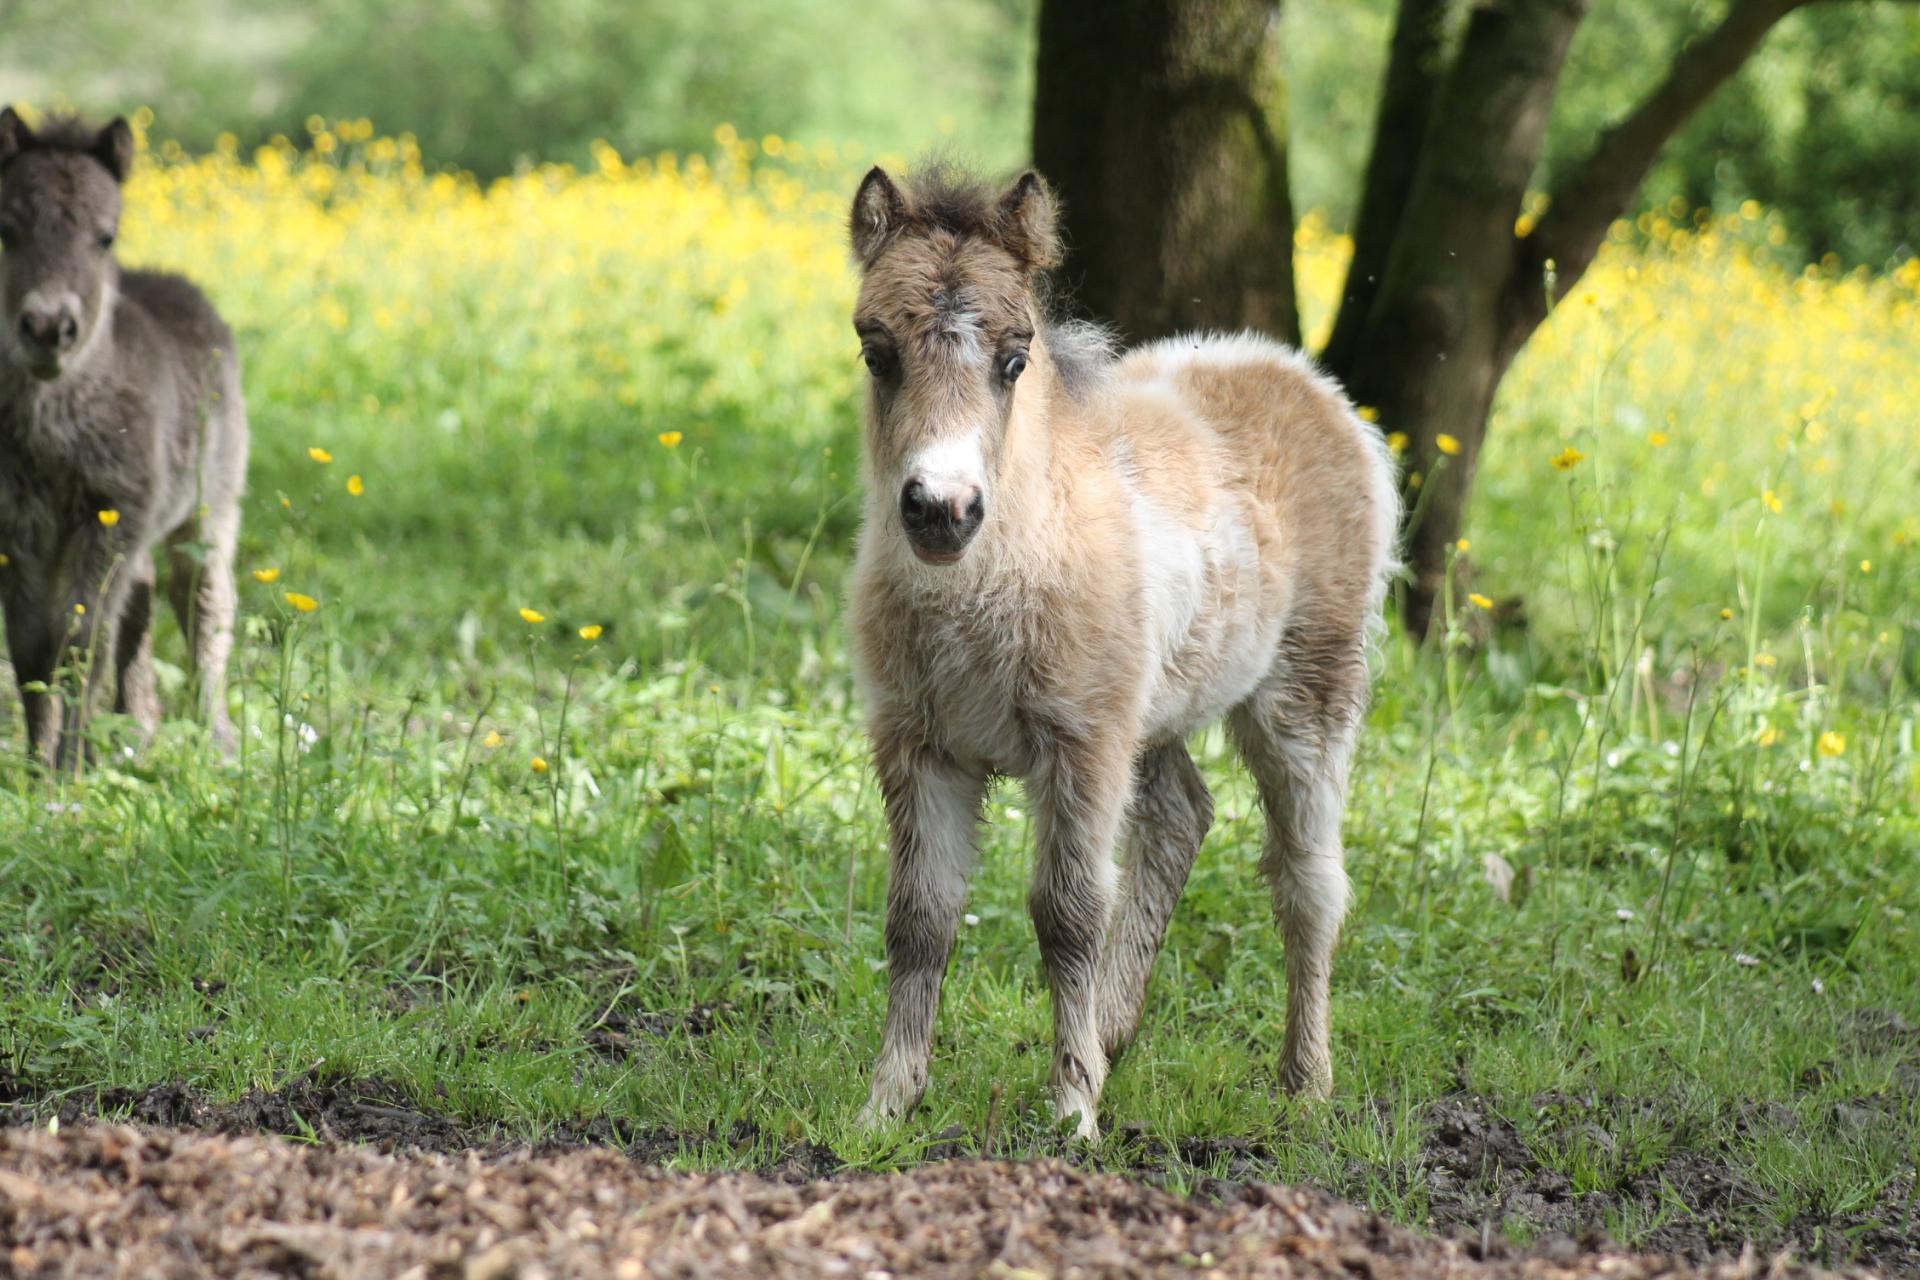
x,y
1632,846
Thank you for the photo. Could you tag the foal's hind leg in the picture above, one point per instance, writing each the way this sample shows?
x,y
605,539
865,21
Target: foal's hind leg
x,y
136,694
1297,734
204,599
1168,817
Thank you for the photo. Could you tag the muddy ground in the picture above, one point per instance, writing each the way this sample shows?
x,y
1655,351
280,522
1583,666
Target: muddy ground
x,y
123,1200
1481,1180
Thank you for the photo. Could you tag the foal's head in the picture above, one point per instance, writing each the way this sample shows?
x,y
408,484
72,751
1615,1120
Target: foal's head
x,y
946,320
59,213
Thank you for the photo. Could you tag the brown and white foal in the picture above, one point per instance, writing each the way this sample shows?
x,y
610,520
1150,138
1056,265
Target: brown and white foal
x,y
1069,562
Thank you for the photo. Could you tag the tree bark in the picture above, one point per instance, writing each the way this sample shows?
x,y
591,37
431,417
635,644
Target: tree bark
x,y
1428,355
1161,125
1414,73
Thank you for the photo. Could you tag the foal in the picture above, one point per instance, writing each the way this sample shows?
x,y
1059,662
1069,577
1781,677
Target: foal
x,y
1069,562
121,425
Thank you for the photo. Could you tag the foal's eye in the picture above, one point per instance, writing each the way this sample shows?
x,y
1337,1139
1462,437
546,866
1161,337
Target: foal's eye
x,y
1013,367
878,361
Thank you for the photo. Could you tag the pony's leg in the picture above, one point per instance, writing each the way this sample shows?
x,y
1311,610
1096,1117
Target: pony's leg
x,y
205,601
33,646
1079,798
105,564
933,816
1168,817
1297,736
136,694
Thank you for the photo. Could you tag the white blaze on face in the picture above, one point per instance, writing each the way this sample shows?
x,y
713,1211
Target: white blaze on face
x,y
952,469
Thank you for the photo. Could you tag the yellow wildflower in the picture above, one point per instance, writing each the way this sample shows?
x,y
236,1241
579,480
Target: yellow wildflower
x,y
1368,412
4,560
1765,660
79,611
319,455
1463,546
304,603
533,616
1726,615
671,438
1866,566
266,575
1771,501
591,631
1397,441
1567,459
109,517
493,739
1658,439
1769,736
1833,744
1446,444
356,486
539,764
1483,601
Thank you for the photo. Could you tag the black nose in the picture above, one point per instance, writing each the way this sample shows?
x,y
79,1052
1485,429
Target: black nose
x,y
53,331
942,524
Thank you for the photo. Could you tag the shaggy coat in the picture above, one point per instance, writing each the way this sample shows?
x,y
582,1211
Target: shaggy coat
x,y
1069,562
122,428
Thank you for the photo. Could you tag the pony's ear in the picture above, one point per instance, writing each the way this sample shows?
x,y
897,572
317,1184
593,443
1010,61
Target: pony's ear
x,y
15,137
879,210
114,148
1028,221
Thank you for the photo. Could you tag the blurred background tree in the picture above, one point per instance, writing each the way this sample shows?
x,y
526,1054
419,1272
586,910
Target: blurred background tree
x,y
1823,124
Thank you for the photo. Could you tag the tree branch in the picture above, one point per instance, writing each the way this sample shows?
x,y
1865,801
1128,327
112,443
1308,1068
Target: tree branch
x,y
1598,190
1407,94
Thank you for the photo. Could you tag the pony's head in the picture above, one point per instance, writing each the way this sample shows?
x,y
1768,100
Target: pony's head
x,y
59,213
947,316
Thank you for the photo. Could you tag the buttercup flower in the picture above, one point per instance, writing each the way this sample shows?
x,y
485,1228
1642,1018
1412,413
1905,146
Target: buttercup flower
x,y
532,616
1446,444
266,575
109,518
319,455
671,438
356,486
539,764
1484,602
1833,744
1567,459
591,631
304,603
1658,439
1771,501
1397,441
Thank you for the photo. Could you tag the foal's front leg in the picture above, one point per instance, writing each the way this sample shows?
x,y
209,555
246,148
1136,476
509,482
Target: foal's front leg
x,y
1079,798
933,817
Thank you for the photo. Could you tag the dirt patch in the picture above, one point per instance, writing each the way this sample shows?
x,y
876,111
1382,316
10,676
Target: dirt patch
x,y
129,1201
1482,1179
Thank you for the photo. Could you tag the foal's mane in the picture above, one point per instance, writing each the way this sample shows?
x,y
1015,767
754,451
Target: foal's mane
x,y
64,133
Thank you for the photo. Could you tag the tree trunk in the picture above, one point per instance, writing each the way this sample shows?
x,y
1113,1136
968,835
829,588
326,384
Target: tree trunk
x,y
1161,125
1435,340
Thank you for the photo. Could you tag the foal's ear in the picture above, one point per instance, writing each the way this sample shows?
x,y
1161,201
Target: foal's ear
x,y
1028,221
114,148
879,210
15,137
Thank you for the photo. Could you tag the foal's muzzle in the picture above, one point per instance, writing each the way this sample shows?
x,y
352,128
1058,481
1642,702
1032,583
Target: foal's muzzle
x,y
940,523
46,334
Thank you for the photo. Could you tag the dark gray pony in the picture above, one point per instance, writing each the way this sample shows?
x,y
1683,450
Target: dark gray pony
x,y
121,428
